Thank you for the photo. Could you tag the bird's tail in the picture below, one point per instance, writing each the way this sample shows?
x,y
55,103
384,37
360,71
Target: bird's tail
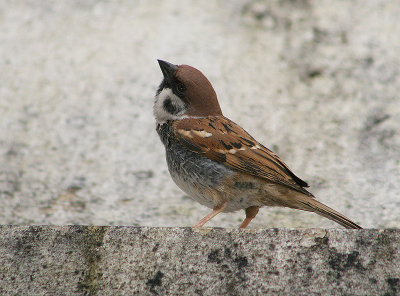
x,y
307,203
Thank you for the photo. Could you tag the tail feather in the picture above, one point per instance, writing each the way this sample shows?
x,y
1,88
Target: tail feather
x,y
310,204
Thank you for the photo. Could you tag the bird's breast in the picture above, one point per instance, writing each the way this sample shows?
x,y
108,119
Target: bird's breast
x,y
205,180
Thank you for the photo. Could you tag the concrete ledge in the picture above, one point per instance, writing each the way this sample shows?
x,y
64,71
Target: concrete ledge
x,y
91,260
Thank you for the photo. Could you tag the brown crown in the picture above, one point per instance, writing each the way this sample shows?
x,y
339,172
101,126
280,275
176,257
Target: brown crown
x,y
199,92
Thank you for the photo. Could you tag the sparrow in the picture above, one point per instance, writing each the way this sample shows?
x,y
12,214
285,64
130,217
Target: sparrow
x,y
215,161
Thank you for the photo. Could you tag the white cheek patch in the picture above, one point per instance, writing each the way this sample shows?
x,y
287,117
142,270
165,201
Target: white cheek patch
x,y
159,111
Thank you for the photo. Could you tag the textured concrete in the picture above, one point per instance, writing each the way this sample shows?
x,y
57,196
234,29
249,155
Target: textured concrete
x,y
87,260
316,81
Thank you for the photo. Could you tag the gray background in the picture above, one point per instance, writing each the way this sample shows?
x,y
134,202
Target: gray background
x,y
316,81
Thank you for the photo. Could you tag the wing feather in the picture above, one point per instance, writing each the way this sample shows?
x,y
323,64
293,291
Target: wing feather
x,y
222,140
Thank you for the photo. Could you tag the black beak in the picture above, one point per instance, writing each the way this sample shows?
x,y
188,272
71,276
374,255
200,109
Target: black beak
x,y
167,69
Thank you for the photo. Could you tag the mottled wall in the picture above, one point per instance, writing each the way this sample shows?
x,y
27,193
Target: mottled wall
x,y
93,260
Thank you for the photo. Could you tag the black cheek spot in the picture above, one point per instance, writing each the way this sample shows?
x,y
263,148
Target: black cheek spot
x,y
169,107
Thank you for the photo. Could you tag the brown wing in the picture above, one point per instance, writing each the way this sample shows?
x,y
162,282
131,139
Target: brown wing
x,y
222,140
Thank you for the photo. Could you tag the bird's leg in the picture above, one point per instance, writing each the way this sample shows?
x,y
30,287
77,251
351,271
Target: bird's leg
x,y
251,212
214,213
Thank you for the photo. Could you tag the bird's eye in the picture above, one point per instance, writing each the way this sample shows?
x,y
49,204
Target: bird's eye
x,y
180,87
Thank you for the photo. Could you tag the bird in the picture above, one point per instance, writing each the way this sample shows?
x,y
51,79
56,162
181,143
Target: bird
x,y
215,161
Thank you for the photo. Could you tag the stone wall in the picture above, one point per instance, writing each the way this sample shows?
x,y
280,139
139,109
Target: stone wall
x,y
97,260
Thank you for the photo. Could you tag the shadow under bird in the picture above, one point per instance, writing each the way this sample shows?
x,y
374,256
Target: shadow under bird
x,y
218,163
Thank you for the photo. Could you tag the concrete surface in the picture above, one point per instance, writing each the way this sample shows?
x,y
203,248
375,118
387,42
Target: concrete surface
x,y
316,81
88,260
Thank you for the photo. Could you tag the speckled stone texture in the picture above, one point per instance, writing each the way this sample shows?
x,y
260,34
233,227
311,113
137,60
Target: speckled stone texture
x,y
89,260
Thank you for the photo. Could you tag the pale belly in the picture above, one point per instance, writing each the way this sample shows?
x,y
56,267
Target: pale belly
x,y
238,197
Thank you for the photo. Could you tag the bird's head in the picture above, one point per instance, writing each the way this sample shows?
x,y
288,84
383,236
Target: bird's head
x,y
184,93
